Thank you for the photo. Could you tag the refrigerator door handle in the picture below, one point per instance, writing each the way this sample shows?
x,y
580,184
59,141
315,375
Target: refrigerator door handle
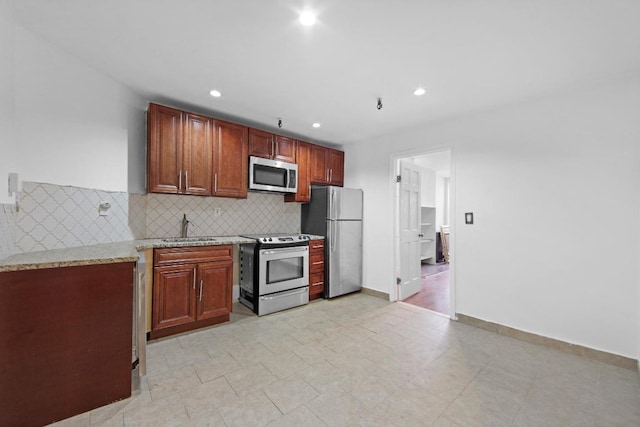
x,y
333,236
332,212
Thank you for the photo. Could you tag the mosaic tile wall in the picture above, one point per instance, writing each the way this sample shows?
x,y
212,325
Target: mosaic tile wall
x,y
54,217
7,230
258,213
138,215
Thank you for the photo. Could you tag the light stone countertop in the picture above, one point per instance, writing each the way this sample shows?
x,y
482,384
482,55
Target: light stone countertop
x,y
109,253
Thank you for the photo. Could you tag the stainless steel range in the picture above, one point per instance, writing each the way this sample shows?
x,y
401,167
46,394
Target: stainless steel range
x,y
274,272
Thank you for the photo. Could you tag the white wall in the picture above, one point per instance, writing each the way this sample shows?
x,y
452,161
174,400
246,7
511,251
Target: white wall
x,y
74,125
554,184
8,156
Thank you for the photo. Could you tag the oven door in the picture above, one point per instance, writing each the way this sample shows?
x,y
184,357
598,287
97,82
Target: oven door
x,y
281,269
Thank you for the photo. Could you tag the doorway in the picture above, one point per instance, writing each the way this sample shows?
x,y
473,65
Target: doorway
x,y
435,290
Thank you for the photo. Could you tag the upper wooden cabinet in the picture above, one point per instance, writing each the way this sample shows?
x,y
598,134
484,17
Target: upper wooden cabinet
x,y
180,151
194,154
304,183
197,154
230,160
327,166
270,146
165,136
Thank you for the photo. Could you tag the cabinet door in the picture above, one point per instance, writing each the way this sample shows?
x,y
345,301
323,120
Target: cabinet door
x,y
319,170
304,184
260,143
174,295
164,161
198,155
214,289
285,149
230,160
336,167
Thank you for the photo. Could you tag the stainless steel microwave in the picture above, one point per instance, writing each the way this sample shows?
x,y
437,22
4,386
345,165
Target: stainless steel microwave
x,y
272,175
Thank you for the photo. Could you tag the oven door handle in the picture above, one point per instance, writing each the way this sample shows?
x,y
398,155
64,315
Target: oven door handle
x,y
299,249
285,293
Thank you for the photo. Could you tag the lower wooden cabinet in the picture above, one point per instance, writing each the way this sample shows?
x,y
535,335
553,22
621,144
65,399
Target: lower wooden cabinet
x,y
65,340
316,269
192,288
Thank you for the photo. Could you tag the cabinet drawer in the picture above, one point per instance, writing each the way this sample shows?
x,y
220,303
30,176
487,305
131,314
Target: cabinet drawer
x,y
192,254
316,246
316,279
316,262
316,291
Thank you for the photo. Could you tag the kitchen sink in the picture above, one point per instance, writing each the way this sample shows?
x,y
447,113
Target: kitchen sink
x,y
188,239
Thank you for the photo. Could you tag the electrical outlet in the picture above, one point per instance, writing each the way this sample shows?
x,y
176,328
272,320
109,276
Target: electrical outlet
x,y
217,212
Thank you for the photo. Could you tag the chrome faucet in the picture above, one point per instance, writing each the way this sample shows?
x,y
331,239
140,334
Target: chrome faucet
x,y
184,231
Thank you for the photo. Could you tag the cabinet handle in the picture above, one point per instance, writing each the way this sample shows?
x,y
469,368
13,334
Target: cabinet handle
x,y
186,180
194,278
273,149
215,182
317,247
179,180
316,263
330,175
200,290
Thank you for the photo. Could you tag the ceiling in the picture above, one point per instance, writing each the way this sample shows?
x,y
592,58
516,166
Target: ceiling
x,y
469,55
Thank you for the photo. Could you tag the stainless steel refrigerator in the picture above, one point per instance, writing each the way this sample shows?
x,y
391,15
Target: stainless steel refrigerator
x,y
336,214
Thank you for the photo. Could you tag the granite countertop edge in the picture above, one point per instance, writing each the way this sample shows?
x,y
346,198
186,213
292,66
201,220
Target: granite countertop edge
x,y
106,253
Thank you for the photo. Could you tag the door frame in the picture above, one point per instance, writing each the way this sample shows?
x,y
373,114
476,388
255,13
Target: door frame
x,y
394,196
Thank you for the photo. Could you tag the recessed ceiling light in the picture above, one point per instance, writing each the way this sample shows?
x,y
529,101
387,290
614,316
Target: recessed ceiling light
x,y
316,125
307,18
215,93
420,91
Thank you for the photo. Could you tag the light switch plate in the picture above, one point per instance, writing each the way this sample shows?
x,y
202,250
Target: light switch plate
x,y
468,218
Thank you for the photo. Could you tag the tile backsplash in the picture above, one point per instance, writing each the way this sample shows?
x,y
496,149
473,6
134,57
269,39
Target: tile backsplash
x,y
258,213
54,216
7,230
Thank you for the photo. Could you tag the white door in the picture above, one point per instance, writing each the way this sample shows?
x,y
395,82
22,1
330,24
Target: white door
x,y
409,223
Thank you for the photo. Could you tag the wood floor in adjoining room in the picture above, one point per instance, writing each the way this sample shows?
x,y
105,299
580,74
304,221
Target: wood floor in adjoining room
x,y
434,294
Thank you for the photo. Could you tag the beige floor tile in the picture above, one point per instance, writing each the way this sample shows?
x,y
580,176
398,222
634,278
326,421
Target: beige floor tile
x,y
213,419
181,357
206,398
285,365
280,344
362,361
247,380
216,367
298,418
172,382
323,376
410,405
166,412
219,346
314,352
251,354
290,393
115,410
337,408
253,410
